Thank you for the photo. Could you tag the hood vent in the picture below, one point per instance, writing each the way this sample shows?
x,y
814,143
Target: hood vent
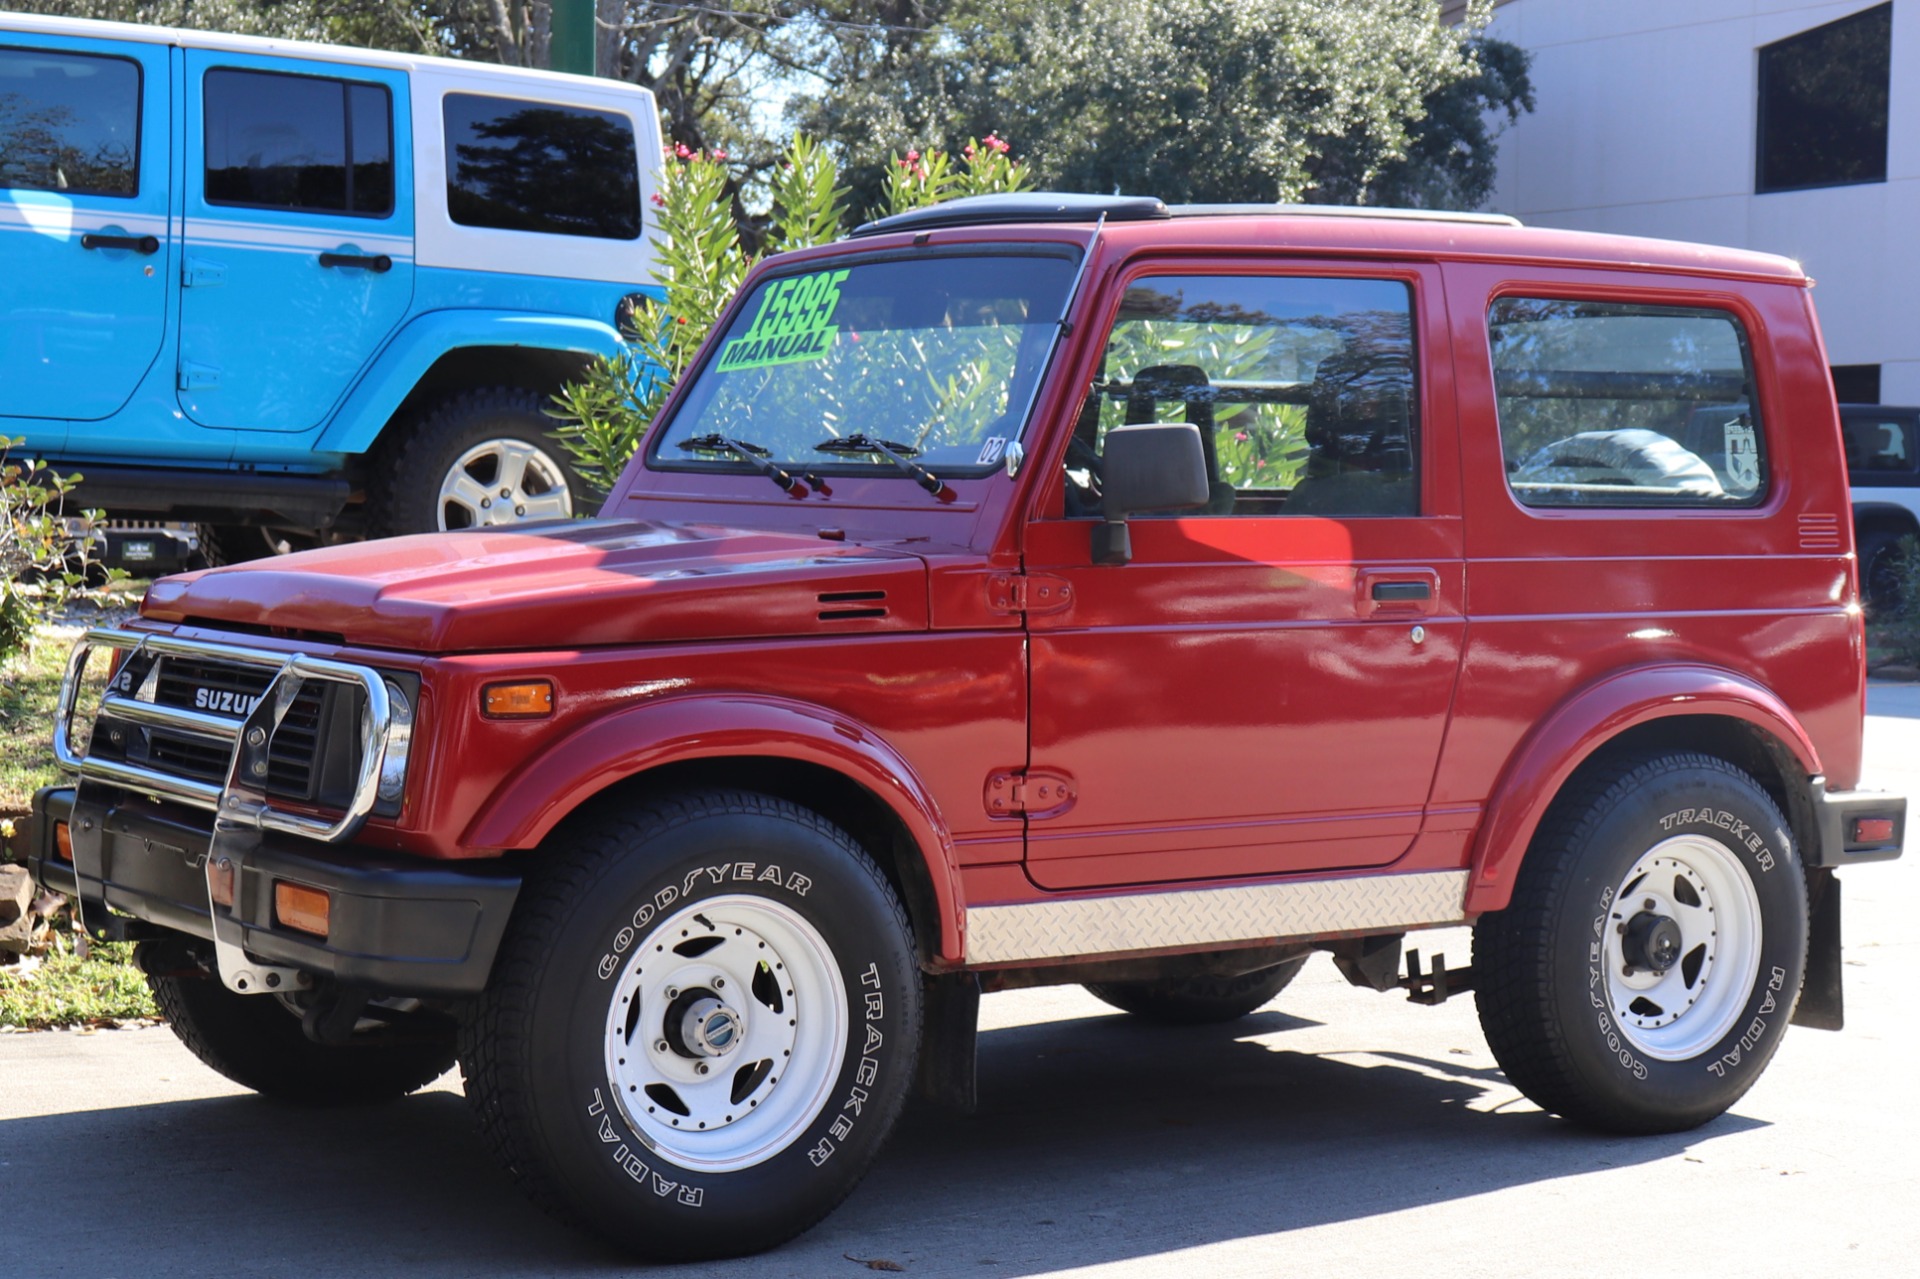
x,y
852,606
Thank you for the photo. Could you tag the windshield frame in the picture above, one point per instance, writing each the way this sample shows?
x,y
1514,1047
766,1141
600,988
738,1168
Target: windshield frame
x,y
654,457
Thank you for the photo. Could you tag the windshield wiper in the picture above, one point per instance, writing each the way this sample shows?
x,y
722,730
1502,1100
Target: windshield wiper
x,y
901,455
759,458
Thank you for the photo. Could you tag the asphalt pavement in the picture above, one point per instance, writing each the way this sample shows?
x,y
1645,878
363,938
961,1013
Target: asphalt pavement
x,y
1337,1132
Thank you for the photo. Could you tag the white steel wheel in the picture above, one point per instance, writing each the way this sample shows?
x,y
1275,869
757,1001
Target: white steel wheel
x,y
726,1030
503,481
1682,947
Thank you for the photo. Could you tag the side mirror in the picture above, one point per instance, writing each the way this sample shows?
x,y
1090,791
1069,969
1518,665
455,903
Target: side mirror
x,y
1151,466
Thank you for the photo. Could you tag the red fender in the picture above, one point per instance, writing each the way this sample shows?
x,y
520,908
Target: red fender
x,y
1589,720
546,788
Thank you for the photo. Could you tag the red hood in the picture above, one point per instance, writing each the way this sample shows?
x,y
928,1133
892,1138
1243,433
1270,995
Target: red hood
x,y
592,582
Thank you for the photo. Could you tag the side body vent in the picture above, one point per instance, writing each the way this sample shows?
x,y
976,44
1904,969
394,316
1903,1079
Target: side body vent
x,y
852,606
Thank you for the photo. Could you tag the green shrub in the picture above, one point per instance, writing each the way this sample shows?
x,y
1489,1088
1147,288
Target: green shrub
x,y
46,556
1897,628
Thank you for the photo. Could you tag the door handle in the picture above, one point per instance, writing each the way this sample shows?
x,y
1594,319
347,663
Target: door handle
x,y
378,263
142,244
1401,592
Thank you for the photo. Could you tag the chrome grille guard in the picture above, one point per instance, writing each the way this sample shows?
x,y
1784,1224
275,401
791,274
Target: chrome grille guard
x,y
241,808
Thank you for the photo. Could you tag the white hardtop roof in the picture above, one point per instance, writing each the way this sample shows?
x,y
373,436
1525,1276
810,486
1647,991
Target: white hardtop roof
x,y
90,29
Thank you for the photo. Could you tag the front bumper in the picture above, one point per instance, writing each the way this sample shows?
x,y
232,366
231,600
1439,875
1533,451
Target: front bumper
x,y
397,926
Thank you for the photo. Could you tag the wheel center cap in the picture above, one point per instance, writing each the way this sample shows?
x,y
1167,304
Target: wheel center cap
x,y
1651,942
710,1028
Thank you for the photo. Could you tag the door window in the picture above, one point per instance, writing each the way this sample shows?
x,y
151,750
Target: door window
x,y
307,144
1302,389
69,123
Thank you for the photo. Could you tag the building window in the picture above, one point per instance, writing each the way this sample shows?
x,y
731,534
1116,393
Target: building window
x,y
1856,383
1823,104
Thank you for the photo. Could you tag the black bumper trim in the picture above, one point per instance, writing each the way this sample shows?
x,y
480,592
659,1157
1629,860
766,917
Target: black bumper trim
x,y
399,925
1836,812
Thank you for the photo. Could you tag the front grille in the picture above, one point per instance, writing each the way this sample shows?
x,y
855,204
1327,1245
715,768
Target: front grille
x,y
295,756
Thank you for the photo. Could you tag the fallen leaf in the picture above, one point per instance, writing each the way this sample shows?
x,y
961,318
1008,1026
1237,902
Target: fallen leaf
x,y
874,1263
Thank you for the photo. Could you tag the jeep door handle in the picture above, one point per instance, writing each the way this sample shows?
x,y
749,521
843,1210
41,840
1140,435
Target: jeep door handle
x,y
378,263
1401,592
142,244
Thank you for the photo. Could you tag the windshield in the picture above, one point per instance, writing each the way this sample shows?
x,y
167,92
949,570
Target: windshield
x,y
935,355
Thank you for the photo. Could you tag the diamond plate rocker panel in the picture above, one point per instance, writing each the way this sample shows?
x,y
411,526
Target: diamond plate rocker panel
x,y
1197,916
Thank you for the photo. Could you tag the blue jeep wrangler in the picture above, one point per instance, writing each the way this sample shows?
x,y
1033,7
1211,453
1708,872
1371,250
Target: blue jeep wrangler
x,y
318,291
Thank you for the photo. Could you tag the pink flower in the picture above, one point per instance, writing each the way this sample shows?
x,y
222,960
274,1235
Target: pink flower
x,y
969,151
657,200
1259,462
680,150
913,155
718,154
1241,436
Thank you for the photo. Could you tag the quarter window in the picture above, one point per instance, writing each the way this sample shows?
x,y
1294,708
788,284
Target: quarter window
x,y
69,123
1823,104
306,144
1621,404
530,166
1302,389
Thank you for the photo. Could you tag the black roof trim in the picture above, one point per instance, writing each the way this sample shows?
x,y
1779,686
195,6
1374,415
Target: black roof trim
x,y
1027,206
1339,211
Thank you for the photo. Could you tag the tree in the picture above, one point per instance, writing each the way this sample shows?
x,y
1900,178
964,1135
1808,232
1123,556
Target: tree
x,y
1191,100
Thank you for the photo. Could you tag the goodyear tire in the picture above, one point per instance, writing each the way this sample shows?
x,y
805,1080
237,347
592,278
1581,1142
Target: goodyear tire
x,y
1198,1000
701,1027
1651,958
257,1042
479,458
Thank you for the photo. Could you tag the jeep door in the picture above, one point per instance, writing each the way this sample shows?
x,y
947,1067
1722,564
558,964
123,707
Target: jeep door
x,y
84,236
299,235
1264,687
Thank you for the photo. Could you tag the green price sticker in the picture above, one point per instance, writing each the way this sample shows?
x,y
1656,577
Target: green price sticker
x,y
794,324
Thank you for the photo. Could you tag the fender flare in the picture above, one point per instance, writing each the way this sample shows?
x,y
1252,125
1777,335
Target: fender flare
x,y
1587,721
414,349
627,742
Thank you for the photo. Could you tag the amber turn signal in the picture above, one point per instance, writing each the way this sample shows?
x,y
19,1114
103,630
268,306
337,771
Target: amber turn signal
x,y
307,909
530,700
63,840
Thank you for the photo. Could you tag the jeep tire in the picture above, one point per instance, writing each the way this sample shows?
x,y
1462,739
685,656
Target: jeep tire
x,y
257,1042
701,1026
477,458
1200,999
1650,960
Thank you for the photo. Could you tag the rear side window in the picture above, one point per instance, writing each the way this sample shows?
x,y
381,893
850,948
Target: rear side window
x,y
531,166
306,144
1878,445
1610,404
69,123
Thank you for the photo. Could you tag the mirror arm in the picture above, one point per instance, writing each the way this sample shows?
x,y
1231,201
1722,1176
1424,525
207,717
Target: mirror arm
x,y
1112,544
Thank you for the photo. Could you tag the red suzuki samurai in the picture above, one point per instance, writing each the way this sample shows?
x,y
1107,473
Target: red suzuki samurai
x,y
1033,589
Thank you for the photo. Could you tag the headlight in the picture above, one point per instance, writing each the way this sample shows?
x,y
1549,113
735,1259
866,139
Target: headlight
x,y
393,769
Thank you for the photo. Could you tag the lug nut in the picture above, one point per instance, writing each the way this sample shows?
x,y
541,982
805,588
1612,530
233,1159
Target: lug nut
x,y
719,983
660,1045
701,1069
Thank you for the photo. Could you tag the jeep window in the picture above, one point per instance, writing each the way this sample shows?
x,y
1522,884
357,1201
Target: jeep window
x,y
69,123
531,166
1878,445
935,353
1626,404
306,144
1302,388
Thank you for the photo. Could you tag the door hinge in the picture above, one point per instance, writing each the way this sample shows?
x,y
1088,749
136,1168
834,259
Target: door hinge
x,y
1034,793
198,377
1029,593
198,273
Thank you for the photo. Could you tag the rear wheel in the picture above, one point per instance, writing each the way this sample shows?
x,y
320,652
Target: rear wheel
x,y
257,1041
1200,999
1648,965
701,1026
480,458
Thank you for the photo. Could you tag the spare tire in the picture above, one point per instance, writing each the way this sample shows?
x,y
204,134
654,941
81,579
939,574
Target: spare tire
x,y
1635,458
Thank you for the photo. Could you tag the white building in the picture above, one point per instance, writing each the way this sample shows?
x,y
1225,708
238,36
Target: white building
x,y
1765,124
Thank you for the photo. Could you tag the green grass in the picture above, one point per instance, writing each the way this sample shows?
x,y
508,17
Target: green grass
x,y
29,685
105,988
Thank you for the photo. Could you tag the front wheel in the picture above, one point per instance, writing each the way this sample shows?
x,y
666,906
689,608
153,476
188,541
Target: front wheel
x,y
1650,960
701,1027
